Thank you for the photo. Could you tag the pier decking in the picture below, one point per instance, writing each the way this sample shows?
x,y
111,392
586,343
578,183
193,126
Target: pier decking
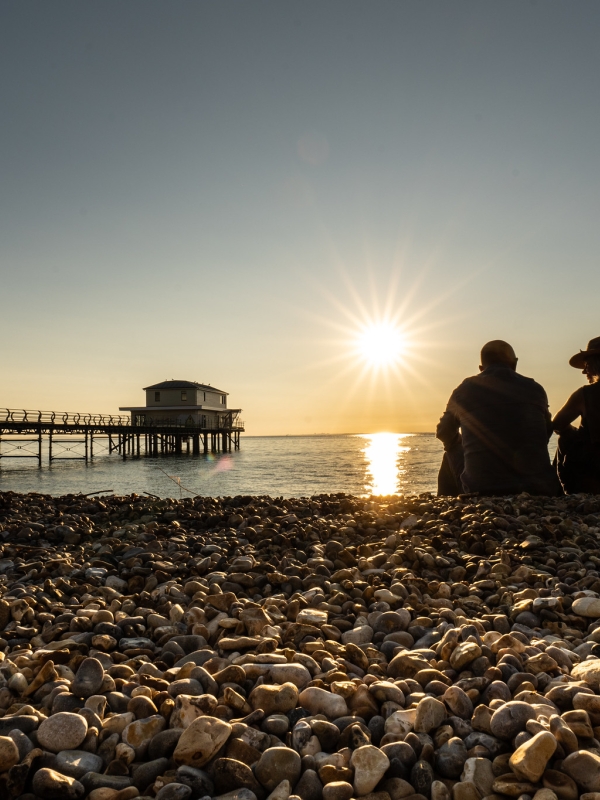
x,y
33,434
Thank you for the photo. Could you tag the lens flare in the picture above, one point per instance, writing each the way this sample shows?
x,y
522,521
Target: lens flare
x,y
381,344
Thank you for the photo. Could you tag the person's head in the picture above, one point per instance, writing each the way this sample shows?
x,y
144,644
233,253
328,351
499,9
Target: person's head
x,y
591,369
588,361
498,352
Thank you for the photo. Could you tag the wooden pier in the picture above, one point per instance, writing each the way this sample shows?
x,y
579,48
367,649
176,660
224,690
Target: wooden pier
x,y
35,434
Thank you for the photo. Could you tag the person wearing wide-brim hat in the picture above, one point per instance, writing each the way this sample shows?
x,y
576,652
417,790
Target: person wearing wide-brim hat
x,y
578,454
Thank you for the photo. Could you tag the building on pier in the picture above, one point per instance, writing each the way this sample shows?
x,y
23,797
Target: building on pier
x,y
184,403
179,416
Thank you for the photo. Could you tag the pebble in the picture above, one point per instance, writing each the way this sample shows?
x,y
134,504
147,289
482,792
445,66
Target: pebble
x,y
324,648
277,764
52,785
9,753
62,731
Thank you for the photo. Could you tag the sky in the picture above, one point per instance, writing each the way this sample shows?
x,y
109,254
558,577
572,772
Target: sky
x,y
233,192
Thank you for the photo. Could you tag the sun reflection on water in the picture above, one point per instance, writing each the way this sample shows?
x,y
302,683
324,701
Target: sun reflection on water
x,y
383,453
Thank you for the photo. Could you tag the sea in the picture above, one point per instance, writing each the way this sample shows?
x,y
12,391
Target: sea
x,y
279,466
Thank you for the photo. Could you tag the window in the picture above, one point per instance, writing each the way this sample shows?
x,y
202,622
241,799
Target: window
x,y
184,396
157,397
223,399
204,396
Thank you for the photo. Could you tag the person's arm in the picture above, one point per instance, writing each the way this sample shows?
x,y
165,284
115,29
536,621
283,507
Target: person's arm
x,y
448,427
573,408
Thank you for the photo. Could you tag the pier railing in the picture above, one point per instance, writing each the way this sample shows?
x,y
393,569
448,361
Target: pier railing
x,y
61,417
25,416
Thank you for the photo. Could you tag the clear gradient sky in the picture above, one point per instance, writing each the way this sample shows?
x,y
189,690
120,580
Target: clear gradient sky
x,y
213,190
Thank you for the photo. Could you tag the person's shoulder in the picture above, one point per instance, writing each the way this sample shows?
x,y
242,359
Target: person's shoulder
x,y
530,382
467,382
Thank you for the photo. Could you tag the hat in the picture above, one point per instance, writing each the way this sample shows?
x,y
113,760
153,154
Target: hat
x,y
593,349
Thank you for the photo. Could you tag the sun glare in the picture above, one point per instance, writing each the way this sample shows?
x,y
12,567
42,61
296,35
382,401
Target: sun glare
x,y
383,453
381,344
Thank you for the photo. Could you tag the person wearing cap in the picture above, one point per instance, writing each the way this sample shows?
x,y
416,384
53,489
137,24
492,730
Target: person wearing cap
x,y
578,453
495,432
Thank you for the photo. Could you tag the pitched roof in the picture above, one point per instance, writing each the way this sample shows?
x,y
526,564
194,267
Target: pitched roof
x,y
184,385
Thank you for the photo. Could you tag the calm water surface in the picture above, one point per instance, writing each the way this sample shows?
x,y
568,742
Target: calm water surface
x,y
288,466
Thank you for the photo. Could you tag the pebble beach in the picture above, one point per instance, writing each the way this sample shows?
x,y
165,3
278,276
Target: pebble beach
x,y
323,648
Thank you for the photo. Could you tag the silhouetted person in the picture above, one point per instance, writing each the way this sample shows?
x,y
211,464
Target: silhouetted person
x,y
578,454
495,431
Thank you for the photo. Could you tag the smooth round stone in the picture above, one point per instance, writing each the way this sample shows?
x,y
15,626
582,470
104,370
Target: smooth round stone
x,y
530,759
164,743
337,790
278,724
23,742
51,785
510,719
450,758
327,733
421,777
430,715
587,607
584,768
95,780
141,707
458,701
309,787
77,762
62,731
174,791
199,782
274,699
319,701
589,672
278,764
88,679
290,673
146,773
9,753
370,765
187,686
65,701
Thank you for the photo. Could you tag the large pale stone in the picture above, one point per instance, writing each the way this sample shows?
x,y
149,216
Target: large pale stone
x,y
361,635
584,768
312,616
401,722
290,673
479,771
430,715
62,731
370,765
588,671
319,701
530,759
587,607
201,741
463,654
274,699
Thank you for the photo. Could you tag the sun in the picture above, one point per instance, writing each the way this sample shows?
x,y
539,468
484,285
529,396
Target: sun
x,y
381,344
